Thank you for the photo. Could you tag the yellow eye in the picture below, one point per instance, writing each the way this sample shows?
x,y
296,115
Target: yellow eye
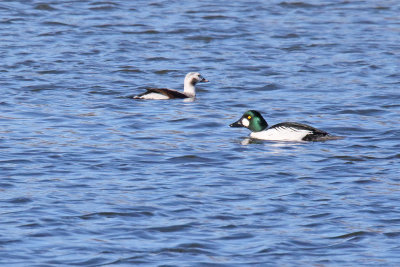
x,y
249,117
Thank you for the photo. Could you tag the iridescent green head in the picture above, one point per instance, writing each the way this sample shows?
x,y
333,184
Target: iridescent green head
x,y
252,120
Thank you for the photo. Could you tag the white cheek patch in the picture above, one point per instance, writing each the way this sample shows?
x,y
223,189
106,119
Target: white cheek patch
x,y
245,122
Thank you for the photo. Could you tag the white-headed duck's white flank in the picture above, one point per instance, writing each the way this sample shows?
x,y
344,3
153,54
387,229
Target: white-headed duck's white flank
x,y
151,95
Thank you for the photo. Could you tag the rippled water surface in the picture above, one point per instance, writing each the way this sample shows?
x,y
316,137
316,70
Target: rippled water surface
x,y
90,176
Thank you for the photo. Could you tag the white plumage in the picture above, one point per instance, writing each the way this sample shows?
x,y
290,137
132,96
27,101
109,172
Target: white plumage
x,y
281,134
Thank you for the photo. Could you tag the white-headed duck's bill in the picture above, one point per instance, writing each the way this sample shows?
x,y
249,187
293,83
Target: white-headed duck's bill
x,y
202,79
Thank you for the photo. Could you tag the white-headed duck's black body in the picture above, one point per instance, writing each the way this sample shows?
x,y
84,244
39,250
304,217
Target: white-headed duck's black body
x,y
285,131
189,90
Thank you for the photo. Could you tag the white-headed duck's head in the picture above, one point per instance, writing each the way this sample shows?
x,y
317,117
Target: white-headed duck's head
x,y
194,77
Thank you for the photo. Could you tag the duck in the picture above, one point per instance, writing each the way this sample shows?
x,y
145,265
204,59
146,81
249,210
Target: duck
x,y
284,131
189,89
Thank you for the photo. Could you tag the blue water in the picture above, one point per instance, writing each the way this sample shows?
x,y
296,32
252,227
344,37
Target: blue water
x,y
91,177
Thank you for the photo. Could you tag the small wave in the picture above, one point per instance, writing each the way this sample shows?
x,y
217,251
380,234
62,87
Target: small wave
x,y
320,215
96,215
351,235
237,236
158,59
217,17
164,71
286,36
206,39
106,6
369,112
45,7
145,32
189,159
128,69
296,5
20,200
171,228
51,72
392,234
56,23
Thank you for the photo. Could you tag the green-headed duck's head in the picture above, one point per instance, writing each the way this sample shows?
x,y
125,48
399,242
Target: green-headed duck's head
x,y
252,120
